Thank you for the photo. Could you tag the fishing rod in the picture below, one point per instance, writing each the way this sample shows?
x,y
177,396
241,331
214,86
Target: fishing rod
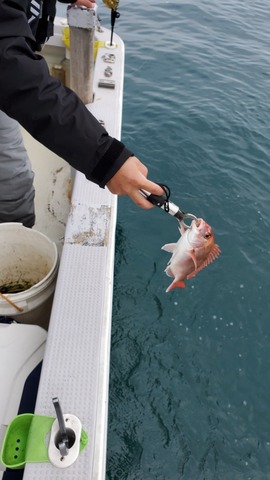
x,y
113,5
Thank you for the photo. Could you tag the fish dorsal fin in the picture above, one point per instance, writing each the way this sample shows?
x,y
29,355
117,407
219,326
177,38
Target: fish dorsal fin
x,y
209,259
169,247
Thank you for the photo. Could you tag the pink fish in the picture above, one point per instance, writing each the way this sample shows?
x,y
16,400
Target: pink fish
x,y
195,249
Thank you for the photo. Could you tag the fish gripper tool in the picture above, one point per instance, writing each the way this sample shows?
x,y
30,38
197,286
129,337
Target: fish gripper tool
x,y
163,202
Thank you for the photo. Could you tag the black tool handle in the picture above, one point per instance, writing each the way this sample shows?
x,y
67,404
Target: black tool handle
x,y
162,201
159,200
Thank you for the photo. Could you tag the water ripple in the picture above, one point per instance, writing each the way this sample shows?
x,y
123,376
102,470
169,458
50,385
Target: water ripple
x,y
190,369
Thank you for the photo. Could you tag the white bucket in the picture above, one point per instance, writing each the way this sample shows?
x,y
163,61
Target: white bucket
x,y
28,263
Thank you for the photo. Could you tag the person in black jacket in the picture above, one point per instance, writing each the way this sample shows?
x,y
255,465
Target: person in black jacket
x,y
52,114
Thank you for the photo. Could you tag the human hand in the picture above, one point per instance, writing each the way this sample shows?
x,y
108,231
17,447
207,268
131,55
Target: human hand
x,y
130,178
85,3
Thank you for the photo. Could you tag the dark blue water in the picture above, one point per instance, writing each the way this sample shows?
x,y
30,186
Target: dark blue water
x,y
190,369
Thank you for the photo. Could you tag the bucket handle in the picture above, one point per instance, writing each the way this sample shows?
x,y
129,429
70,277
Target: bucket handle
x,y
14,305
22,305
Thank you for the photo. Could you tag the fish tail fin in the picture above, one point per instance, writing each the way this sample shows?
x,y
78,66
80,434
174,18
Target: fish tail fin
x,y
176,283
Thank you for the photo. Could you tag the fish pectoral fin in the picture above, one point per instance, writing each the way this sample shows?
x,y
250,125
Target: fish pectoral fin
x,y
176,283
169,247
209,259
192,254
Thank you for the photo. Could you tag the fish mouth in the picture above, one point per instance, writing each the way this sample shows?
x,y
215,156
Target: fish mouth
x,y
204,229
198,222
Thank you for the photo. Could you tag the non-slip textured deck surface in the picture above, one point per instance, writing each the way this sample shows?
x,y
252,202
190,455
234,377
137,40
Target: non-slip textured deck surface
x,y
76,364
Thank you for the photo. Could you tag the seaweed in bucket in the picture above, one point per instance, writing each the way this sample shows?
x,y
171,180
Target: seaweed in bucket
x,y
15,287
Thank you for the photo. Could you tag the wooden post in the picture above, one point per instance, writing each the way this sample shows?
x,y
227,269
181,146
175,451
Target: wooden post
x,y
81,21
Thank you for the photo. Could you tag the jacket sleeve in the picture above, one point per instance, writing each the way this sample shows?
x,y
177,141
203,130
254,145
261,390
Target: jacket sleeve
x,y
50,112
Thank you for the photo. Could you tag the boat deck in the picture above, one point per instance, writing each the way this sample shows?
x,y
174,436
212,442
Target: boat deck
x,y
82,222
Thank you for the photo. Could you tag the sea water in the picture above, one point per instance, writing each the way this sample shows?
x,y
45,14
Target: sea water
x,y
190,369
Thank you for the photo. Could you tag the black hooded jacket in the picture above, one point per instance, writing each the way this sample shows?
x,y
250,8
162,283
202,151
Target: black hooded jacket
x,y
50,112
